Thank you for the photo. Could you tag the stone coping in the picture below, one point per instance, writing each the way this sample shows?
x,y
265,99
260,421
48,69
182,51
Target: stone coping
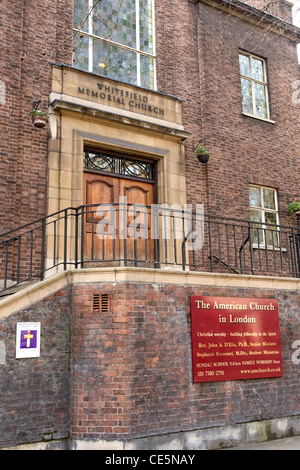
x,y
38,291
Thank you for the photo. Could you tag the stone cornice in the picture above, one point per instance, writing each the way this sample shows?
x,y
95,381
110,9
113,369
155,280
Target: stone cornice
x,y
252,13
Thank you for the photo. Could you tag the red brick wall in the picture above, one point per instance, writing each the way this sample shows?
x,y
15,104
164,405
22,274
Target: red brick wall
x,y
246,150
132,370
178,73
32,34
197,60
127,373
34,393
281,8
200,65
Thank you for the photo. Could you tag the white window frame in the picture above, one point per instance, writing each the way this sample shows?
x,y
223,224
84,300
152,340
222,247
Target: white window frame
x,y
263,210
253,81
92,37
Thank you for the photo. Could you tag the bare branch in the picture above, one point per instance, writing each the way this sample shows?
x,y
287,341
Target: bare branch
x,y
110,25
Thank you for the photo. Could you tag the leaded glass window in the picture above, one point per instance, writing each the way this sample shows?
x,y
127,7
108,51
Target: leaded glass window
x,y
118,165
254,86
264,214
115,38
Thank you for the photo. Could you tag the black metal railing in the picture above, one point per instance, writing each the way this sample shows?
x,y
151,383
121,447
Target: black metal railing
x,y
135,235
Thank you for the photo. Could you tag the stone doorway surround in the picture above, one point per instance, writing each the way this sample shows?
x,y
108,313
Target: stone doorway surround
x,y
88,110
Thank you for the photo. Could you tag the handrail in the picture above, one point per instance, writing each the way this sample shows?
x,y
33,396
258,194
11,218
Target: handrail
x,y
161,208
36,221
77,237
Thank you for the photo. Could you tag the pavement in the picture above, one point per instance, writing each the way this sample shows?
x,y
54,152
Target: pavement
x,y
289,443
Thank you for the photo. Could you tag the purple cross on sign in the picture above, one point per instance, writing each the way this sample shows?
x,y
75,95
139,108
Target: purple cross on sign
x,y
28,339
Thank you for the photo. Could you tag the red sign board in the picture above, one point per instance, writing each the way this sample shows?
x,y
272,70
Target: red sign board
x,y
235,338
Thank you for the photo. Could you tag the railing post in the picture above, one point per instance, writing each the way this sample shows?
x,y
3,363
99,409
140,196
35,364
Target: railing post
x,y
5,265
31,253
251,248
183,245
76,238
293,254
210,246
82,237
155,234
123,229
135,250
65,238
19,259
43,248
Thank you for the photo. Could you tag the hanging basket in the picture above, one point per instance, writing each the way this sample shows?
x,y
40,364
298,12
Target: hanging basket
x,y
39,121
203,157
201,153
39,118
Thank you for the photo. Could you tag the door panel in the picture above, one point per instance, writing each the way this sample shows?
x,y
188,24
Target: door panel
x,y
140,196
99,243
98,189
103,240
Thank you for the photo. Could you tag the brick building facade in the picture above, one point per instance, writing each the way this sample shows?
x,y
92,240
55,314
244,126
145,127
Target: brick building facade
x,y
223,73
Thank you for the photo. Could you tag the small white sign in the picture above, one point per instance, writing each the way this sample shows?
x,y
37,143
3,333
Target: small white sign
x,y
28,340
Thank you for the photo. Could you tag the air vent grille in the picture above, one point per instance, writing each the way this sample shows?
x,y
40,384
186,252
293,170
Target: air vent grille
x,y
101,303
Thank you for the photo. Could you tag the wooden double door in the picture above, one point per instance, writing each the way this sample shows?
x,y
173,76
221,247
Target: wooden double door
x,y
117,221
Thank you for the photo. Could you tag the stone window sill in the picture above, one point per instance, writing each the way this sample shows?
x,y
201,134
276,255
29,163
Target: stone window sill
x,y
259,118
